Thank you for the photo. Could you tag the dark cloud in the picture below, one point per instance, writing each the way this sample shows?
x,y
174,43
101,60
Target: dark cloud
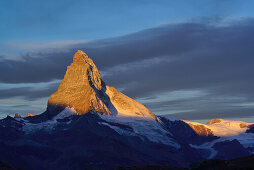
x,y
21,105
195,42
34,69
187,56
29,92
207,106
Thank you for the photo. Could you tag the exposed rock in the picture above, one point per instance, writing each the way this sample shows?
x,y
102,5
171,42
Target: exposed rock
x,y
243,125
11,122
186,132
250,126
79,87
246,125
201,130
17,115
83,90
29,114
210,122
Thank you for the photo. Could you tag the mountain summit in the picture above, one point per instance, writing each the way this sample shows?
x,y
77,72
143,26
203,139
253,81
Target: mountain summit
x,y
83,90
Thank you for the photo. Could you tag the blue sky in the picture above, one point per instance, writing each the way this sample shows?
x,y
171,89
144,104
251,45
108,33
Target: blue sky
x,y
45,21
35,35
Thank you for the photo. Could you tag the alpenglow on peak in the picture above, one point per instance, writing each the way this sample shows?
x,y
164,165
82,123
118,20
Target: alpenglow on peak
x,y
83,90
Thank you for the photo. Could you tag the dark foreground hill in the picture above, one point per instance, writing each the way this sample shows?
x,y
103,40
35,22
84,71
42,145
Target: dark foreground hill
x,y
243,163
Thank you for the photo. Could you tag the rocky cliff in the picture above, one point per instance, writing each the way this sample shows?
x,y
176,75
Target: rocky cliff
x,y
83,90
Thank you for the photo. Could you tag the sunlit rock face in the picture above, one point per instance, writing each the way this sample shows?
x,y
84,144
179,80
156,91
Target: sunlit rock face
x,y
83,90
201,130
210,122
78,89
29,114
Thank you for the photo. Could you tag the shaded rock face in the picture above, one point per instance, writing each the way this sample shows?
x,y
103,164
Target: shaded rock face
x,y
11,123
250,130
185,132
17,115
83,90
230,149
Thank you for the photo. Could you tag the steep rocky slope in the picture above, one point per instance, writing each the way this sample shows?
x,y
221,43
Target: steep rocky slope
x,y
83,90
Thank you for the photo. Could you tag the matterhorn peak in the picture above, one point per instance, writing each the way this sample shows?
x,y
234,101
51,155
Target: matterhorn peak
x,y
83,90
81,56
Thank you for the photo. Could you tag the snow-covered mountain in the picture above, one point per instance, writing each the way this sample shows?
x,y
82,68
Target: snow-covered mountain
x,y
220,127
238,132
88,124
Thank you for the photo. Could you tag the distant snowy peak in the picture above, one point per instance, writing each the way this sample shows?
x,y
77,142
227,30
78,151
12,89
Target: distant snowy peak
x,y
220,127
83,90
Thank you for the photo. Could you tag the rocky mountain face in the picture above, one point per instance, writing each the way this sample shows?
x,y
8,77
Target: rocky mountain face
x,y
83,90
88,124
29,114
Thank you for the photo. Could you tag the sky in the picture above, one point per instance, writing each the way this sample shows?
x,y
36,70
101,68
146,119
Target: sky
x,y
190,59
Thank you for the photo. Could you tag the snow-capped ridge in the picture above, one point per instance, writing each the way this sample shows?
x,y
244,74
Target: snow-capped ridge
x,y
221,127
